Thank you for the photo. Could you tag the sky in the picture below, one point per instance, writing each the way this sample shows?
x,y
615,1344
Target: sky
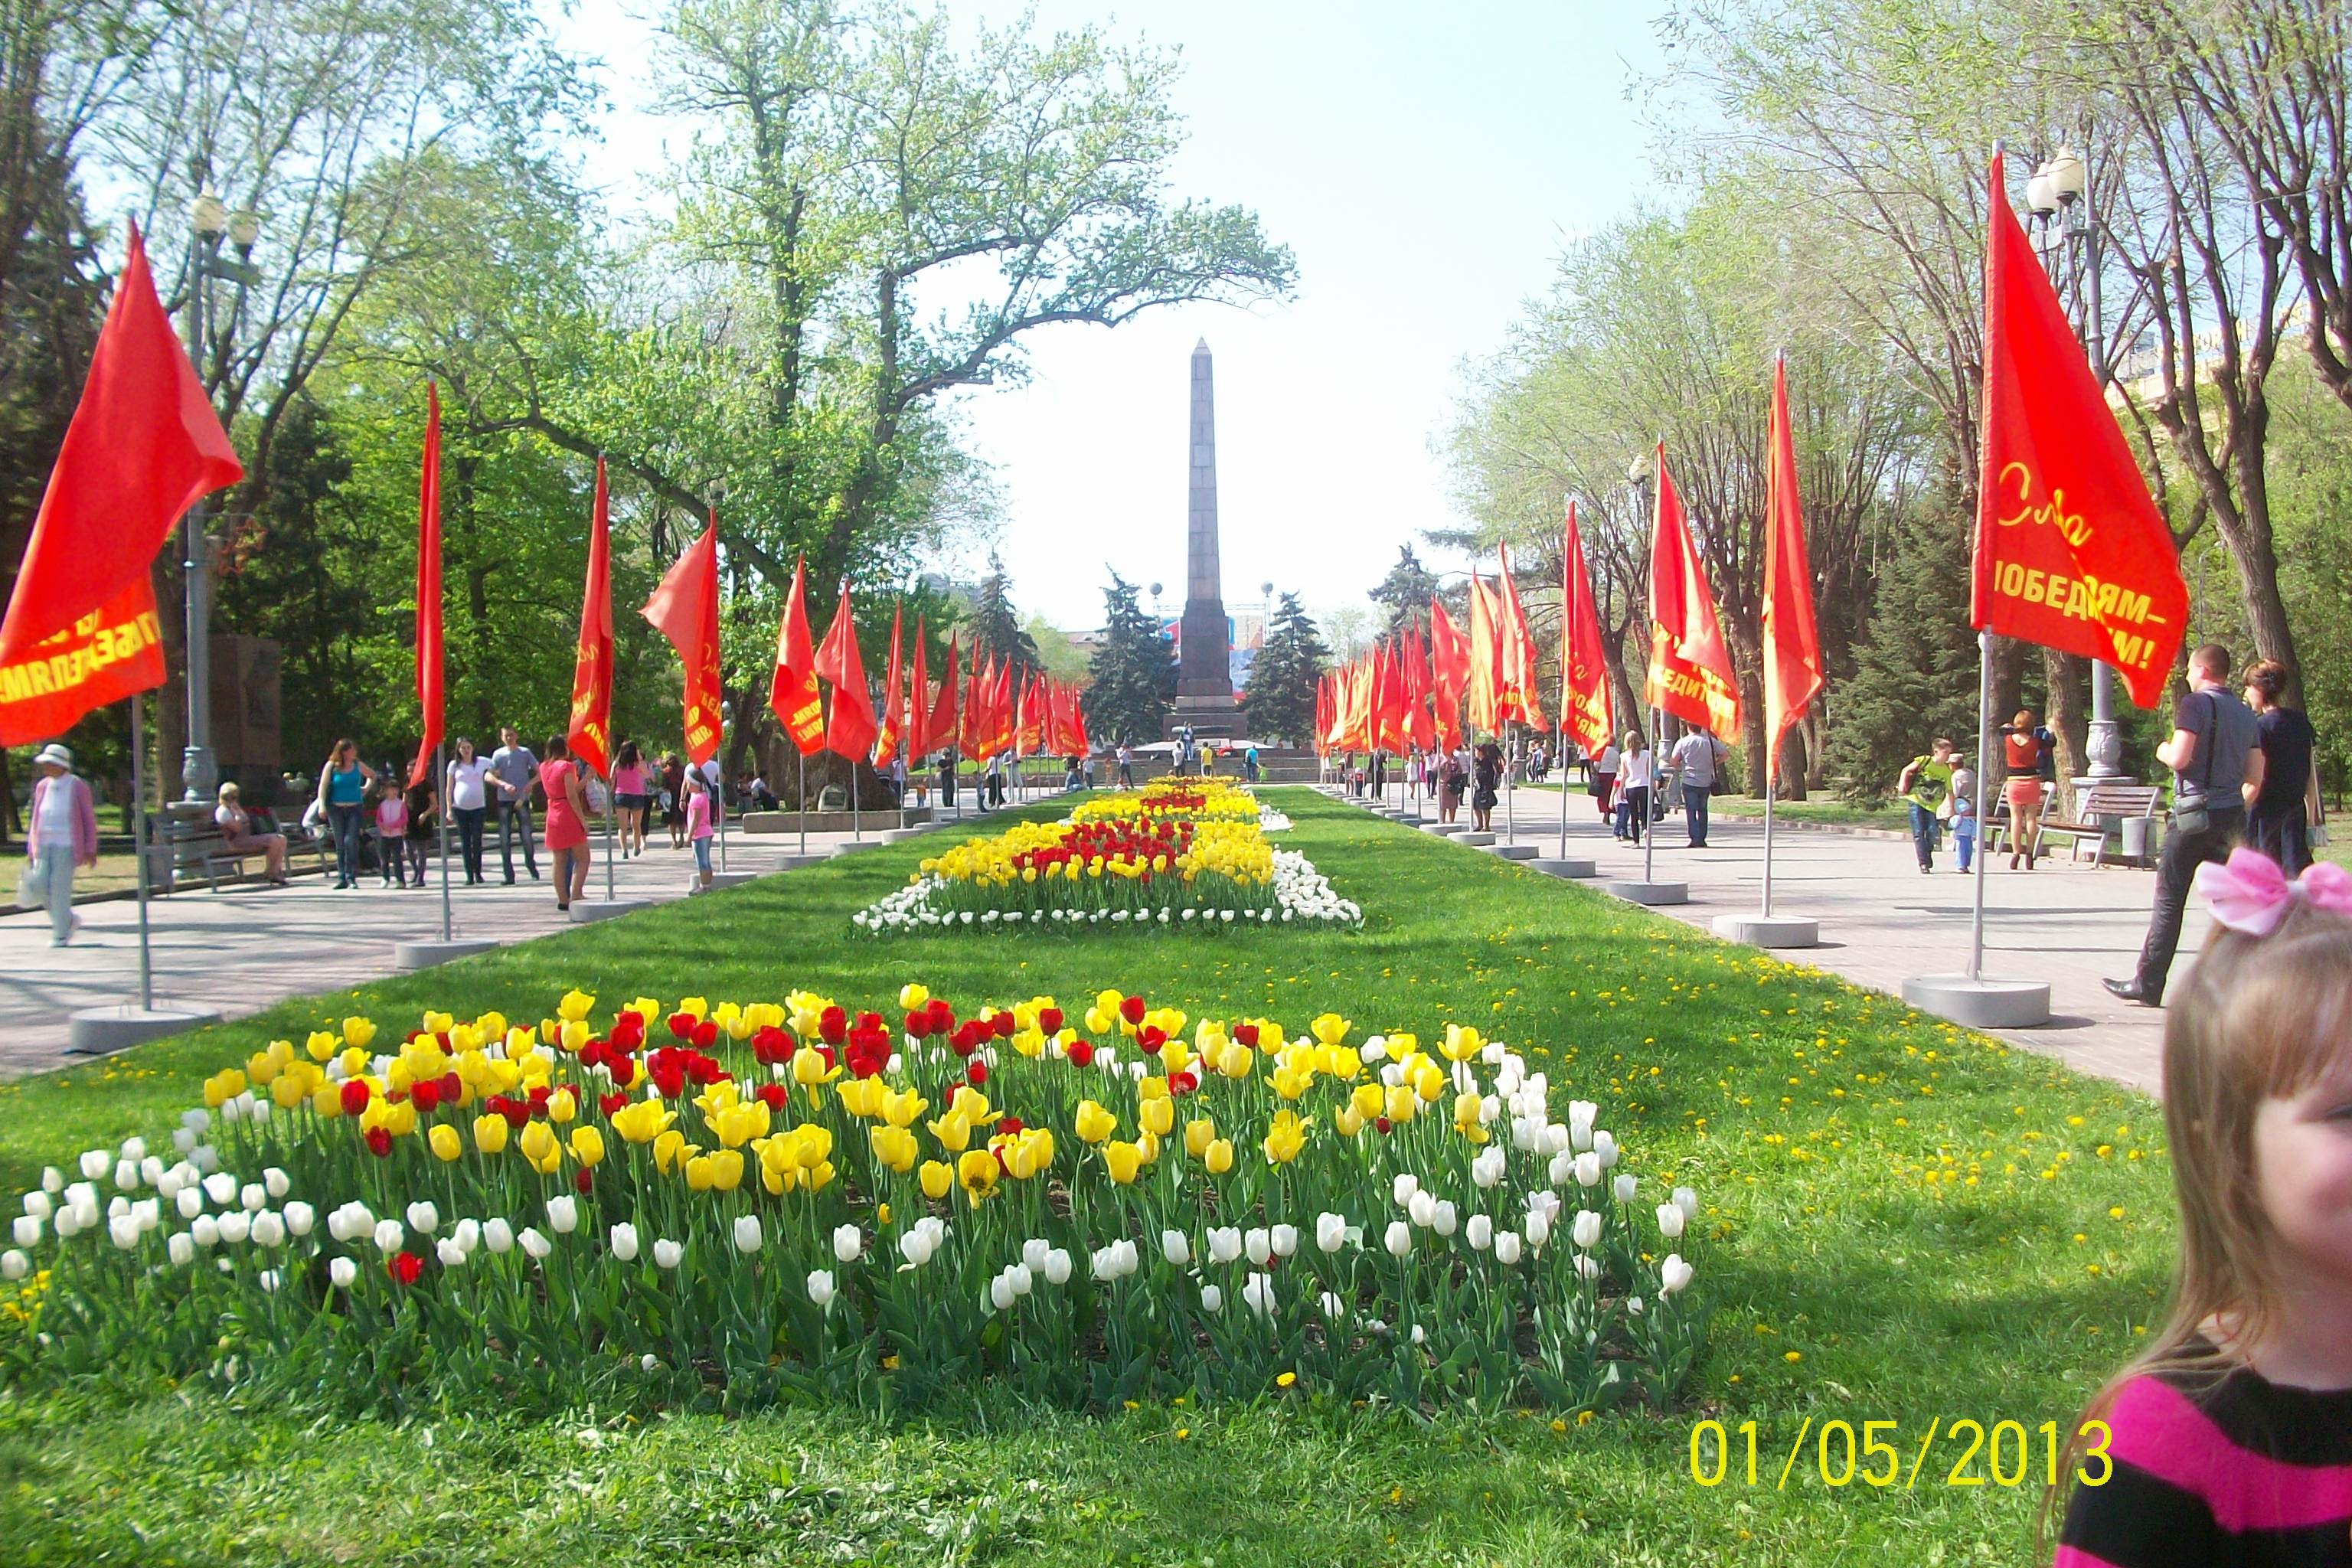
x,y
1427,166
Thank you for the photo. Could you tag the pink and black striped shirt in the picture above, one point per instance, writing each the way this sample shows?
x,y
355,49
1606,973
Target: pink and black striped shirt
x,y
2241,1471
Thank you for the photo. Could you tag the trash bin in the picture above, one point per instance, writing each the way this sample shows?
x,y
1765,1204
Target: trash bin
x,y
2137,831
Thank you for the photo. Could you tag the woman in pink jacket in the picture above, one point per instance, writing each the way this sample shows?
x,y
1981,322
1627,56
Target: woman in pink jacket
x,y
64,836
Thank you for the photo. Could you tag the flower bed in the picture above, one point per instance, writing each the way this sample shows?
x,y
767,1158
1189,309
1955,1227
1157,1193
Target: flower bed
x,y
747,1204
1178,852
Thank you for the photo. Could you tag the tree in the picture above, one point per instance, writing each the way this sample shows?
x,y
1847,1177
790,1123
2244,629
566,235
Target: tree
x,y
1346,629
1280,697
995,628
1134,672
1915,670
1405,593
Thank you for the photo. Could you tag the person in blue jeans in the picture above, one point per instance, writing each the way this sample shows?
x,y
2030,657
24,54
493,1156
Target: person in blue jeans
x,y
1963,812
343,784
1924,783
1698,760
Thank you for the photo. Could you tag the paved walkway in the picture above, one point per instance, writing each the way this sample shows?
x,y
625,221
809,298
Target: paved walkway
x,y
1881,922
242,950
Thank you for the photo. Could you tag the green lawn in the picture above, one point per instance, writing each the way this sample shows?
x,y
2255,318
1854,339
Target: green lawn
x,y
1905,1223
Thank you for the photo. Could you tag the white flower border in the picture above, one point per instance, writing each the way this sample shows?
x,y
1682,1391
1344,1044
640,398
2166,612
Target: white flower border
x,y
1302,895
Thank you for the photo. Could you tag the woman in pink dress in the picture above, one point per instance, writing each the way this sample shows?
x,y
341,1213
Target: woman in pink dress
x,y
567,820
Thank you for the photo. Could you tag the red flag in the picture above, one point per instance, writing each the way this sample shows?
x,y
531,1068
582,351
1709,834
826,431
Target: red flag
x,y
1000,709
1079,743
1420,731
589,733
2070,551
1031,735
1485,657
943,729
1323,714
1388,700
1793,644
428,591
793,695
972,727
894,723
1449,667
918,698
1520,698
144,444
1690,672
1584,708
685,609
850,731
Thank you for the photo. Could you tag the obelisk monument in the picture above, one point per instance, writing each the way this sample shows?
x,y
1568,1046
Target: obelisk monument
x,y
1204,680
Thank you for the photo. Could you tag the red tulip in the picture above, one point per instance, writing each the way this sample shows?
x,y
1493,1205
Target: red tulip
x,y
1079,1053
1009,1125
582,1180
425,1093
1003,1023
774,1095
622,1068
1152,1037
453,1087
832,1025
379,1142
1246,1034
976,1073
354,1095
1049,1020
403,1267
1132,1009
681,1024
942,1015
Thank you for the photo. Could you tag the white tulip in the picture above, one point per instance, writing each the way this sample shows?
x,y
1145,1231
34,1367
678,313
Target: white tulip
x,y
1286,1240
1538,1227
68,1224
915,1247
1585,1267
1554,1139
149,1211
1671,1220
1486,1169
1224,1243
1259,1245
126,1175
848,1243
1404,1187
1056,1269
1605,1144
1024,1281
277,1180
1479,1232
268,1228
424,1217
299,1218
253,1197
52,1180
116,1206
205,1231
1033,1253
563,1214
124,1230
1399,1239
648,1362
1175,1249
535,1245
1687,1201
1634,1305
1587,1168
452,1255
1211,1299
1586,1229
388,1236
27,1231
183,1140
1445,1221
1627,1188
748,1235
1673,1273
1562,1169
498,1236
181,1249
667,1254
1257,1294
1423,1209
205,1157
469,1233
623,1239
820,1287
39,1206
1330,1231
342,1273
221,1187
95,1163
1001,1293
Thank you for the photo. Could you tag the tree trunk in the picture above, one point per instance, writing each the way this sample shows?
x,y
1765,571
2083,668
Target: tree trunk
x,y
2066,713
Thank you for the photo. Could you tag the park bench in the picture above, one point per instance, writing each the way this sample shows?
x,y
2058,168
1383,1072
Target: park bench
x,y
183,848
2099,810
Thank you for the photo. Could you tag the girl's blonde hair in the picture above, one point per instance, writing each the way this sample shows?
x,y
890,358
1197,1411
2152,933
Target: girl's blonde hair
x,y
2259,1017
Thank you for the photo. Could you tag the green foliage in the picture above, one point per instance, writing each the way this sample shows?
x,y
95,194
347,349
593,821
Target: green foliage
x,y
1279,700
1915,669
1133,673
1405,592
994,627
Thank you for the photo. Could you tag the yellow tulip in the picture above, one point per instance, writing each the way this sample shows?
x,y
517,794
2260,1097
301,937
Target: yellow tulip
x,y
954,1132
1402,1104
587,1145
693,1007
442,1141
358,1033
1368,1100
491,1134
1342,1061
911,996
437,1022
900,1107
538,1146
1219,1156
809,1069
1286,1138
669,1147
976,1173
893,1146
1429,1082
725,1167
643,1120
1331,1029
1156,1116
819,1178
574,1006
1122,1160
1349,1120
1095,1123
322,1045
1291,1080
936,1177
1462,1043
812,1145
1236,1063
1199,1133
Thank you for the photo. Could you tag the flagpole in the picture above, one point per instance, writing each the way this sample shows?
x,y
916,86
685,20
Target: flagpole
x,y
441,790
1984,741
1649,817
1563,799
856,828
1510,791
139,849
1769,792
719,802
804,762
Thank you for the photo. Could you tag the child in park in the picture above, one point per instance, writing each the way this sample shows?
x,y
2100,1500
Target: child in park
x,y
391,814
698,826
2230,1438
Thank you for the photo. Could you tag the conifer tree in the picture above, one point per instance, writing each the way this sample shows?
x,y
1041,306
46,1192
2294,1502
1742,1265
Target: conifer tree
x,y
1134,673
1280,698
1916,668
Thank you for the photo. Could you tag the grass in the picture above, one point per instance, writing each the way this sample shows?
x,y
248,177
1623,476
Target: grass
x,y
1905,1223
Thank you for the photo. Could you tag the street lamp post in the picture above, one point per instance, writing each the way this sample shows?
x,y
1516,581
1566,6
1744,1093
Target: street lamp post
x,y
2058,195
208,222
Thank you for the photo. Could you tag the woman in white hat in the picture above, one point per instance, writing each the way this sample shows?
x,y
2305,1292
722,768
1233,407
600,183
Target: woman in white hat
x,y
64,836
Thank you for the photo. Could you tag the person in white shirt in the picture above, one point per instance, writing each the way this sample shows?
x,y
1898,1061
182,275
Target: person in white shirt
x,y
1696,758
64,836
469,802
1635,775
1605,778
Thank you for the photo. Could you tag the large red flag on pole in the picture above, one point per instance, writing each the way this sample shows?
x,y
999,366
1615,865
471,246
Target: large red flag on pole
x,y
1584,706
1521,697
589,733
1792,644
428,590
1419,729
145,446
1000,709
685,609
943,729
2071,553
1690,673
1449,668
850,730
893,704
919,701
1485,657
793,696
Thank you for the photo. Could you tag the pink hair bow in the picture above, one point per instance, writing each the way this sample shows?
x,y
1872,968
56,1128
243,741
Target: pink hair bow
x,y
2251,894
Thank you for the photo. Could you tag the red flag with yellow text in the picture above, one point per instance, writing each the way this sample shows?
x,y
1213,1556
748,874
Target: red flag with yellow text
x,y
1520,697
1449,669
1690,674
1792,643
685,609
1485,657
429,640
2071,553
1584,709
894,703
850,729
588,734
918,701
793,695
